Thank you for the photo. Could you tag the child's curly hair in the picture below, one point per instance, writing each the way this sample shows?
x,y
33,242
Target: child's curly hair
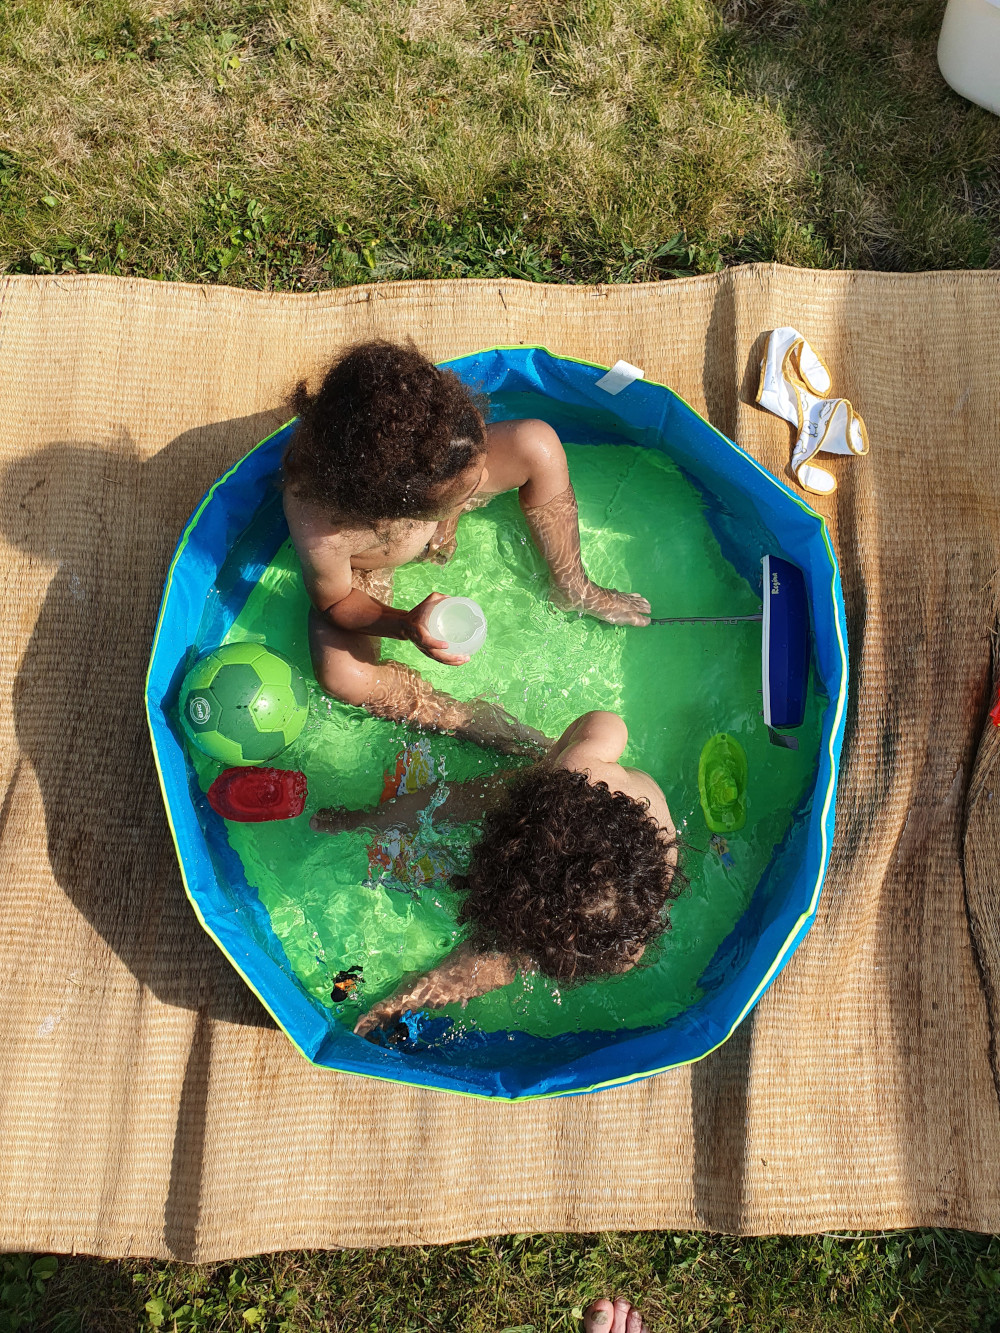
x,y
384,432
569,874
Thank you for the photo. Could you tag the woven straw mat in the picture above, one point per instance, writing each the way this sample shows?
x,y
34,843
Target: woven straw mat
x,y
149,1104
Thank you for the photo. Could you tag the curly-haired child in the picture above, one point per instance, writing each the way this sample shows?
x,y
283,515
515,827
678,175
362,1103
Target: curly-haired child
x,y
387,455
572,876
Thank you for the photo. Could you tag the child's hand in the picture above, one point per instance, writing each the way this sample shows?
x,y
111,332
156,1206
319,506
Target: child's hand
x,y
379,1015
415,622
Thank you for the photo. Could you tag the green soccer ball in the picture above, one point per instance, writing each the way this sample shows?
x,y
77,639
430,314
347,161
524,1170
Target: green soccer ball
x,y
243,703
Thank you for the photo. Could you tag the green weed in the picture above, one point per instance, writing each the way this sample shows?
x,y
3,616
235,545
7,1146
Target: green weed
x,y
940,1281
23,1279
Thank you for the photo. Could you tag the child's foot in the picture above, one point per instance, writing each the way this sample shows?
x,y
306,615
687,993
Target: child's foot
x,y
494,731
403,695
440,555
621,1317
617,608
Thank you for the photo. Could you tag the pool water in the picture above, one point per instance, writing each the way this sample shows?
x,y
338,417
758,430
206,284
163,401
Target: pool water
x,y
643,529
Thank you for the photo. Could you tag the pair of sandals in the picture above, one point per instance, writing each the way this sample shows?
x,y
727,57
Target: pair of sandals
x,y
794,383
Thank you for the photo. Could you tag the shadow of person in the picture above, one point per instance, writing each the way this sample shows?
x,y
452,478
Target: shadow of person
x,y
108,520
720,372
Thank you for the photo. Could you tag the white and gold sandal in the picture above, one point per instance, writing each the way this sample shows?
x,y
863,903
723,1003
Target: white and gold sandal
x,y
794,380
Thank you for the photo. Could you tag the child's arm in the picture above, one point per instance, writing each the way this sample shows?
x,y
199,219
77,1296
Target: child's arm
x,y
599,737
325,557
529,455
363,614
465,801
463,975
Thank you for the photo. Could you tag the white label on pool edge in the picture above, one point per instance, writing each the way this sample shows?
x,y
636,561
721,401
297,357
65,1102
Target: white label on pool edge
x,y
619,377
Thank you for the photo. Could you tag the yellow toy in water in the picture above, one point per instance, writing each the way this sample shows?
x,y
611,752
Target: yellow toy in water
x,y
722,783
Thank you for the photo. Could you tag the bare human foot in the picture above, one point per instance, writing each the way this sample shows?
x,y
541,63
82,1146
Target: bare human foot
x,y
617,608
603,1316
494,728
403,695
555,528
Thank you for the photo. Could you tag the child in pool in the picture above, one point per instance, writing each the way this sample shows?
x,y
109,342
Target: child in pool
x,y
386,457
577,862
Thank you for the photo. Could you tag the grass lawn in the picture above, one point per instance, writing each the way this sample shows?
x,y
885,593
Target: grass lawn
x,y
304,143
299,144
938,1281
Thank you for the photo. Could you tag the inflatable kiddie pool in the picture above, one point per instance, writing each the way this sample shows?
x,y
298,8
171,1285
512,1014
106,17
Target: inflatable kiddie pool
x,y
226,550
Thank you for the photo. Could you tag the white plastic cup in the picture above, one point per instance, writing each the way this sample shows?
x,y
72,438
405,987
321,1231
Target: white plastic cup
x,y
969,50
460,622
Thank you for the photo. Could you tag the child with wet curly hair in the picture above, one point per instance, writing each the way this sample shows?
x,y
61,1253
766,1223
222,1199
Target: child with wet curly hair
x,y
572,876
387,455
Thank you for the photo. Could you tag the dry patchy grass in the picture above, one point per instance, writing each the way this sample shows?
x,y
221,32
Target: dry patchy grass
x,y
308,142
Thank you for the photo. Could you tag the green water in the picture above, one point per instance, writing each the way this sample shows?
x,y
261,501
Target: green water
x,y
643,529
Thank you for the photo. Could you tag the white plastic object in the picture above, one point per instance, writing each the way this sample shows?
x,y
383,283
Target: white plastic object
x,y
969,50
460,622
619,377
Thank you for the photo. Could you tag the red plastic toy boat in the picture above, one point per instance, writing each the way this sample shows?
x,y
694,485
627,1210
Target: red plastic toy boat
x,y
255,795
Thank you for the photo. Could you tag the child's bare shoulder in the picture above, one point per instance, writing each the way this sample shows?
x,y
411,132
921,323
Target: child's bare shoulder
x,y
314,528
515,450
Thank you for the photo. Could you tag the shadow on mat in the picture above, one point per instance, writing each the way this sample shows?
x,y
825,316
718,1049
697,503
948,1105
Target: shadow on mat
x,y
109,520
720,1083
721,372
720,1094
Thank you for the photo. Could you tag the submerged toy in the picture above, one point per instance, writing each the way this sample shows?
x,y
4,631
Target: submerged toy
x,y
256,795
413,1032
721,848
722,784
243,703
346,983
399,859
414,770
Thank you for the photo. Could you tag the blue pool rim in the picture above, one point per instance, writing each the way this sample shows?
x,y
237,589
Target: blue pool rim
x,y
510,1066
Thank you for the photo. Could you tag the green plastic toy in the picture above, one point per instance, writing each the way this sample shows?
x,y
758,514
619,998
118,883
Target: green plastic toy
x,y
243,703
722,783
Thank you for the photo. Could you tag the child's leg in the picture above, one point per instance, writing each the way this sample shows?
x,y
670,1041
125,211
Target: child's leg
x,y
348,666
555,527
